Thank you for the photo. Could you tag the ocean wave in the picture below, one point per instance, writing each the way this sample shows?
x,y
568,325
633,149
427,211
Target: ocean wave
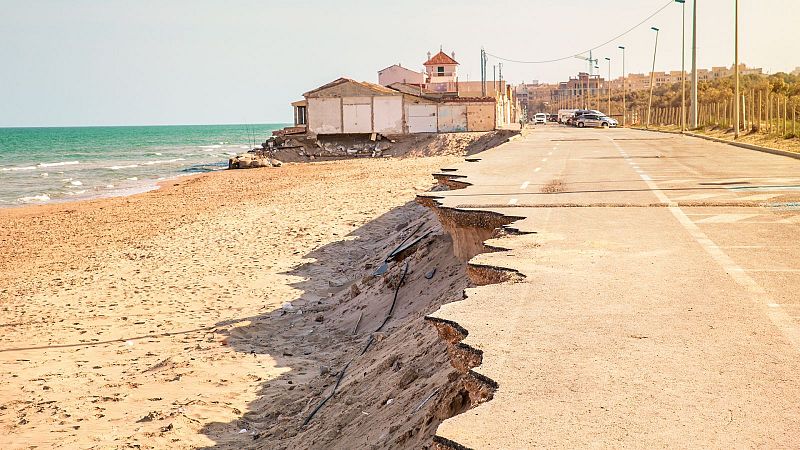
x,y
129,166
133,179
83,191
57,164
76,183
34,198
163,161
16,169
211,146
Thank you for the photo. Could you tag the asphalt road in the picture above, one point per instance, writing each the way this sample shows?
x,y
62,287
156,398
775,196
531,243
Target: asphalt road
x,y
660,305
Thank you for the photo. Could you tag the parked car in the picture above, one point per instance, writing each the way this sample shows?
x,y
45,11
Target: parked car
x,y
540,118
552,117
581,112
595,120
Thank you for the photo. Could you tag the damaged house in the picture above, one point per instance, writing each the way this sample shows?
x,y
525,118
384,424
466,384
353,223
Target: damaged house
x,y
346,106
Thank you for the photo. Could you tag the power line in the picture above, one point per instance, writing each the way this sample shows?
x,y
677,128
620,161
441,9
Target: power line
x,y
591,49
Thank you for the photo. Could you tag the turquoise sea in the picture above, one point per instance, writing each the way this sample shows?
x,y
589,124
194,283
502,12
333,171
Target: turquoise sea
x,y
43,165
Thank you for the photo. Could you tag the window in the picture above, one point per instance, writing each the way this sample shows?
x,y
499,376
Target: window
x,y
440,71
301,115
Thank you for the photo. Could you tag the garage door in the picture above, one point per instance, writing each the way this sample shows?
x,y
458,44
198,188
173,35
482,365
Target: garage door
x,y
357,114
452,118
388,114
421,118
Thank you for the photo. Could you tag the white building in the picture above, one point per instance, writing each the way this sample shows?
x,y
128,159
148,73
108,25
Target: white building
x,y
399,74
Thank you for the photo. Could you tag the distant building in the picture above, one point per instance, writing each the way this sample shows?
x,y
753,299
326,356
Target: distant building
x,y
399,74
441,72
796,71
641,81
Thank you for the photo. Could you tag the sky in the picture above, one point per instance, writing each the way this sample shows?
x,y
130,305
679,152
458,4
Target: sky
x,y
144,62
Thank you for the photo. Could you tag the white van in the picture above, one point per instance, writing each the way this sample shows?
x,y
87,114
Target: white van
x,y
540,118
564,114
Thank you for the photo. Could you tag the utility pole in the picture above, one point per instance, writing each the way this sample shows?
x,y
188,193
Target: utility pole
x,y
652,76
483,73
693,105
683,64
736,70
608,82
624,90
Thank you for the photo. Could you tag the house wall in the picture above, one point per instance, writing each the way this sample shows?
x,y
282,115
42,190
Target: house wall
x,y
325,115
480,116
397,74
388,114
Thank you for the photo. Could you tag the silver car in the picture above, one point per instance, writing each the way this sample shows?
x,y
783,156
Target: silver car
x,y
595,120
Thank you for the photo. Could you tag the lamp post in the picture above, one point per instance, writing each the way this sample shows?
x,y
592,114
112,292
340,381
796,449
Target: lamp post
x,y
736,71
597,85
693,104
652,76
608,82
683,64
624,90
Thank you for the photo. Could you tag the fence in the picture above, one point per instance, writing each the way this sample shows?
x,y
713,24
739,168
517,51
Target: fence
x,y
760,112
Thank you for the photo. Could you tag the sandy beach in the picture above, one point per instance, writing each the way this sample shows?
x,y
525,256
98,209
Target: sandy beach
x,y
129,322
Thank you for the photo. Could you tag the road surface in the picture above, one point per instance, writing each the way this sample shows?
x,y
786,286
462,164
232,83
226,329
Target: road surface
x,y
660,305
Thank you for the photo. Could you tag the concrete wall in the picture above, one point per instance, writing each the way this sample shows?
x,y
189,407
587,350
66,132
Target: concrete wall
x,y
397,74
357,114
388,114
325,115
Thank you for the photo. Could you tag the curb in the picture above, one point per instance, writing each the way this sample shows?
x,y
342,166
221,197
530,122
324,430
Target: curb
x,y
757,148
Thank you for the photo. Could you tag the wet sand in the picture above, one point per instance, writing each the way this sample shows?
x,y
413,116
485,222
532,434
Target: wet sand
x,y
116,314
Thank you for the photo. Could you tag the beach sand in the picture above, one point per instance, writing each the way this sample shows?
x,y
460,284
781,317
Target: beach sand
x,y
118,315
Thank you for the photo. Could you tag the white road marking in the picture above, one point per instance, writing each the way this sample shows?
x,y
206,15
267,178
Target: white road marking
x,y
525,185
537,169
726,218
778,316
512,201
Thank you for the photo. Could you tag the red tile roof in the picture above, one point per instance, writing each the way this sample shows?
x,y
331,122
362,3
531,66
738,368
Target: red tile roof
x,y
440,58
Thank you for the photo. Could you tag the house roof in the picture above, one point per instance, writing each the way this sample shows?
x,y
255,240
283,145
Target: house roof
x,y
440,58
366,85
401,67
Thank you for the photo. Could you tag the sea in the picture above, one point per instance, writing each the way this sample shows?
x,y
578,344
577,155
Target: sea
x,y
47,165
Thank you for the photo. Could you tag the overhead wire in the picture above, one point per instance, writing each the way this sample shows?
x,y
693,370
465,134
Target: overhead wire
x,y
589,50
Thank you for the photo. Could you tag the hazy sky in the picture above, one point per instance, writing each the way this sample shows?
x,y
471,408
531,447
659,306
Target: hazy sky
x,y
108,62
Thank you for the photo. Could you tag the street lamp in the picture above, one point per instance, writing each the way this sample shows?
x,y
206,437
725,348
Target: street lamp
x,y
683,63
624,90
736,71
608,82
693,105
652,76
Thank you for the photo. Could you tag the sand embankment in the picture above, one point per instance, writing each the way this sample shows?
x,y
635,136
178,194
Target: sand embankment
x,y
150,321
